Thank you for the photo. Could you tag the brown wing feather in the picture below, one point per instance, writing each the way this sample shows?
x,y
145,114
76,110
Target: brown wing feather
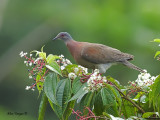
x,y
98,53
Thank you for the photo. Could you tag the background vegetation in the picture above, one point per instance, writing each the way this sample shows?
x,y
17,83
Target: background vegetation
x,y
27,25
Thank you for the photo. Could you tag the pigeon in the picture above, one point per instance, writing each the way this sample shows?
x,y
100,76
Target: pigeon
x,y
96,56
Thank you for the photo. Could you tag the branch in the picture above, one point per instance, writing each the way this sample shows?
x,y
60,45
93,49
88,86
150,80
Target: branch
x,y
125,97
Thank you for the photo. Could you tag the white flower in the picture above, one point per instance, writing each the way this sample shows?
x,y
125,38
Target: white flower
x,y
30,77
30,64
27,87
76,70
72,76
21,54
68,61
32,89
61,56
25,62
85,70
37,60
145,79
30,55
62,67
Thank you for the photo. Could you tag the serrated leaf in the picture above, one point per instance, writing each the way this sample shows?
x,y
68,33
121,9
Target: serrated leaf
x,y
63,93
69,108
42,107
154,95
76,85
86,101
51,58
53,66
50,86
79,93
116,94
99,108
128,109
157,53
109,101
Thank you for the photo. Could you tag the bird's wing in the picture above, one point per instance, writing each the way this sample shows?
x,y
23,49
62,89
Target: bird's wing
x,y
98,53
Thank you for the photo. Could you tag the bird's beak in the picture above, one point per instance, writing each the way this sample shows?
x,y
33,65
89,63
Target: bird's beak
x,y
55,38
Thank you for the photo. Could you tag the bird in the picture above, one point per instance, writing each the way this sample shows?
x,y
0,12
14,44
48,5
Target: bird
x,y
96,56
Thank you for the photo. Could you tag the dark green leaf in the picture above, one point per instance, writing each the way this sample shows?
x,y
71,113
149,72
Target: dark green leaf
x,y
63,93
99,108
76,85
109,101
50,86
42,107
86,100
69,108
80,93
128,109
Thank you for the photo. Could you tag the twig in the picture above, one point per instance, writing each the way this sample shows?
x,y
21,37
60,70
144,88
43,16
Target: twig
x,y
125,97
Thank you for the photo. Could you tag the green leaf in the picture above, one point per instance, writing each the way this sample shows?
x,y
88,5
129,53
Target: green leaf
x,y
63,93
69,108
50,86
80,93
42,55
149,114
70,68
76,85
113,81
109,101
116,94
42,48
157,53
99,108
53,66
107,115
154,95
128,109
51,58
42,107
86,101
156,40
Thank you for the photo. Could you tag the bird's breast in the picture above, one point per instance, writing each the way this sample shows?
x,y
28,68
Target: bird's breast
x,y
75,49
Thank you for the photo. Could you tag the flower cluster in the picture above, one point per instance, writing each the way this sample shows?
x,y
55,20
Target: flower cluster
x,y
145,79
35,67
63,62
142,83
95,81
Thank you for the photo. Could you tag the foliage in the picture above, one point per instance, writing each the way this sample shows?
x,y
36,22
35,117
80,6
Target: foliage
x,y
99,97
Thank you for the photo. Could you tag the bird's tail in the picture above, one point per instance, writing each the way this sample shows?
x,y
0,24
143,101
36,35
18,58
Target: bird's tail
x,y
130,65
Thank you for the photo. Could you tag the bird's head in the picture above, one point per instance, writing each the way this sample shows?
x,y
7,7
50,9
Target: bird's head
x,y
63,36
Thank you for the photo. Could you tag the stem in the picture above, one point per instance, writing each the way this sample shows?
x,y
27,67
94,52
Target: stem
x,y
42,107
125,97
